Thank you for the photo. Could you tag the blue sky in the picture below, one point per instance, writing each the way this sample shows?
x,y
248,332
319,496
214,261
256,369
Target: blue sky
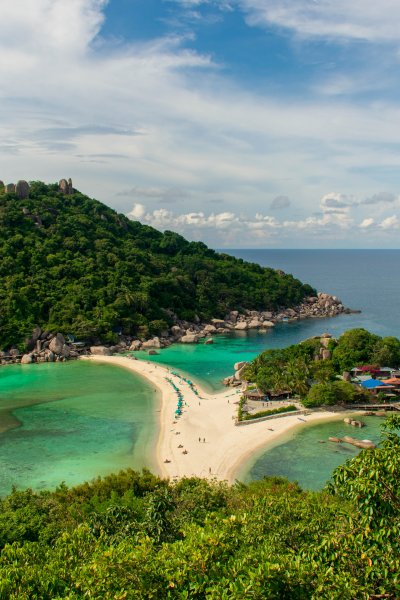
x,y
243,123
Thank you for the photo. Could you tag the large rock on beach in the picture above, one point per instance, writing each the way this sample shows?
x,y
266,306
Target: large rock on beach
x,y
239,365
100,351
27,359
57,344
189,338
239,373
177,331
241,326
153,343
268,324
210,329
267,315
135,345
255,324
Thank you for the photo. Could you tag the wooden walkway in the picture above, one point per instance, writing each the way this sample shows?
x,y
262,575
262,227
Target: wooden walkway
x,y
375,406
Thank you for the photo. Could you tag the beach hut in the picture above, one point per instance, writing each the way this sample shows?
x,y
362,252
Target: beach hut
x,y
255,395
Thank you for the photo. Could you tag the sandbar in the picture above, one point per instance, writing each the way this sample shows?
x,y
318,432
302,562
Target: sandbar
x,y
204,441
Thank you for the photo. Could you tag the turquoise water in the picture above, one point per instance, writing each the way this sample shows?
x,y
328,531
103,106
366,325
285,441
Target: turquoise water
x,y
301,456
75,421
363,279
209,364
72,422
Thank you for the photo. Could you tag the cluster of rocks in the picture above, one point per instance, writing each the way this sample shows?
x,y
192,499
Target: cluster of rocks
x,y
322,305
235,380
66,187
21,189
43,347
49,347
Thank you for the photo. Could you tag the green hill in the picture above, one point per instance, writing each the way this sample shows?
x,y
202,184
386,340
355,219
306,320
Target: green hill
x,y
69,263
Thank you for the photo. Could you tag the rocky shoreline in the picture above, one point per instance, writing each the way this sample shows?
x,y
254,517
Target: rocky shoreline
x,y
44,346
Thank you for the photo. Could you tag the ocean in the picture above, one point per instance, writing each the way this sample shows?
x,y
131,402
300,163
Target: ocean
x,y
365,280
71,422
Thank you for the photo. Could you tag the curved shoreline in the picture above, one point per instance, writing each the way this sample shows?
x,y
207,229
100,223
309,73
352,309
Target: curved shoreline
x,y
208,417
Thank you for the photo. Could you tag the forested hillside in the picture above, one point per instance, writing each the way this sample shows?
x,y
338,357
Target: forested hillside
x,y
135,536
71,264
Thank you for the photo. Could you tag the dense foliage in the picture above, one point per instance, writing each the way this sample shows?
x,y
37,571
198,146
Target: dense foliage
x,y
299,368
334,392
358,347
289,369
71,264
134,536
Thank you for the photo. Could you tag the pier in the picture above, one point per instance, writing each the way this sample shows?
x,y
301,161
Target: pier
x,y
368,407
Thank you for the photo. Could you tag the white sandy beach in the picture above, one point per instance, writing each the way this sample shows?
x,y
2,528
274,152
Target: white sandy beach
x,y
210,418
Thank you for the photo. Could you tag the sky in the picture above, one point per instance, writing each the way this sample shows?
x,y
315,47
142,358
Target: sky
x,y
241,123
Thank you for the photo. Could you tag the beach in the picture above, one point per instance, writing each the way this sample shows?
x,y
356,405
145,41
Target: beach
x,y
204,441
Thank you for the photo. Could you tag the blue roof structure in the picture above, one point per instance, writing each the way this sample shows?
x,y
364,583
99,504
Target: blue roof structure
x,y
372,383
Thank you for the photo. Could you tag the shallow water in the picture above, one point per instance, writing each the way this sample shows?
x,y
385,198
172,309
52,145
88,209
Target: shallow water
x,y
300,456
209,364
72,422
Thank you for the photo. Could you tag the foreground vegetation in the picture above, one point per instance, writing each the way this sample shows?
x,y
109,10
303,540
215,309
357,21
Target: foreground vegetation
x,y
300,369
135,536
71,264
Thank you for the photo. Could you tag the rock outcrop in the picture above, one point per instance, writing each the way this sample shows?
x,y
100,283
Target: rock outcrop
x,y
100,351
21,189
44,346
66,186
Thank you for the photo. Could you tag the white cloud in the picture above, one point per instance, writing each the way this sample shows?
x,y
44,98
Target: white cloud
x,y
390,223
366,223
199,225
334,202
138,211
358,19
162,123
